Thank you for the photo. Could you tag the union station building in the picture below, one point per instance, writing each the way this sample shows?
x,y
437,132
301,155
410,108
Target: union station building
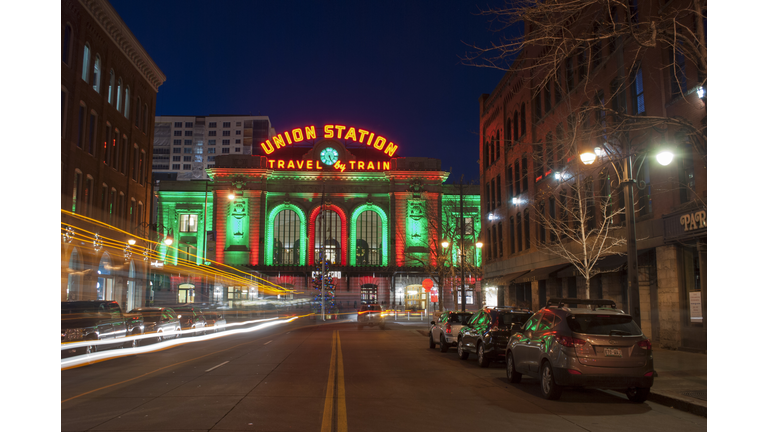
x,y
378,217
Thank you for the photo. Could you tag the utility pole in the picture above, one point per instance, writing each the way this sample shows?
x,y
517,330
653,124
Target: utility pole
x,y
461,244
322,253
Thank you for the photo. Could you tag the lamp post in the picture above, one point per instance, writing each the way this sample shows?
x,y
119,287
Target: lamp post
x,y
627,180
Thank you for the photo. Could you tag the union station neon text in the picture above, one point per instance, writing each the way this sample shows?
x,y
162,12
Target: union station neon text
x,y
361,136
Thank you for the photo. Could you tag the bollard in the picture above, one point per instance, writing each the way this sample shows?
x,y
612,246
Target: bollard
x,y
422,315
409,315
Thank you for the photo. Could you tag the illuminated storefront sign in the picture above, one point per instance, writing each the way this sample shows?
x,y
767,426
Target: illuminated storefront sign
x,y
341,132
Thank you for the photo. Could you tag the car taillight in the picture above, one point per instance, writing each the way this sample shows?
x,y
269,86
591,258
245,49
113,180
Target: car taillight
x,y
568,341
574,372
645,344
448,328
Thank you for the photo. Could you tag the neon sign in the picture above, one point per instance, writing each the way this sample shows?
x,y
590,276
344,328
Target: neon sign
x,y
316,165
298,135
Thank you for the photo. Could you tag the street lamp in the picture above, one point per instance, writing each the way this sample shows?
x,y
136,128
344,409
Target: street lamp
x,y
627,179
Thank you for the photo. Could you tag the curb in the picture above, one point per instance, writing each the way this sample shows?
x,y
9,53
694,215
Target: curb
x,y
678,403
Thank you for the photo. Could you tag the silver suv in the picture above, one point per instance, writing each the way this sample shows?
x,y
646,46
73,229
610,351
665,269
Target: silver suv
x,y
446,328
582,343
370,315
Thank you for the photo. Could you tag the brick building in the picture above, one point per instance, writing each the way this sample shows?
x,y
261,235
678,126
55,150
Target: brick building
x,y
109,86
533,127
300,194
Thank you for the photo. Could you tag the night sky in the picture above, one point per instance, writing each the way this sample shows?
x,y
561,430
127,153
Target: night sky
x,y
391,67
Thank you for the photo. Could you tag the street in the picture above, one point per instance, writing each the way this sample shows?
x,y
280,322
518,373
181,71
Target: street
x,y
308,375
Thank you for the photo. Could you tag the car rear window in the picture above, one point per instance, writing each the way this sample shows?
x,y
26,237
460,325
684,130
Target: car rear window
x,y
618,325
459,318
370,307
507,319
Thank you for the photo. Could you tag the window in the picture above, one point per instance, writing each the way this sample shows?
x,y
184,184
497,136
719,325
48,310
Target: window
x,y
536,107
119,94
176,167
211,133
120,220
187,158
552,217
177,150
328,237
115,150
188,150
519,226
187,167
111,92
126,155
237,149
211,158
66,44
92,133
76,188
677,78
177,124
112,206
210,165
211,150
107,143
146,119
135,163
511,235
140,214
237,132
590,203
645,203
188,223
225,150
187,133
177,133
225,133
238,124
606,202
64,99
542,224
618,100
86,62
492,197
527,228
211,142
524,174
212,124
177,142
187,142
547,97
225,142
104,201
226,124
569,75
638,97
287,241
188,124
237,141
127,110
132,214
177,158
522,120
498,190
142,156
488,197
494,246
501,241
685,171
97,74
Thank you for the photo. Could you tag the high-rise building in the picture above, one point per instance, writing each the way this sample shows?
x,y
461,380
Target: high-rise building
x,y
185,146
109,86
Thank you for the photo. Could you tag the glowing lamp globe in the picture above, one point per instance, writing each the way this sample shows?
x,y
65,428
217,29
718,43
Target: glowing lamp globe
x,y
588,158
664,158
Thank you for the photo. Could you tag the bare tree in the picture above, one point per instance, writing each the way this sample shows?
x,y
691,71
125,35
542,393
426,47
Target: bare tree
x,y
563,45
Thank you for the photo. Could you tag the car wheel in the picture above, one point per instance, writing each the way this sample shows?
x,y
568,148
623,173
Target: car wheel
x,y
91,349
431,341
443,344
512,374
638,394
178,335
482,360
159,337
462,354
549,387
134,343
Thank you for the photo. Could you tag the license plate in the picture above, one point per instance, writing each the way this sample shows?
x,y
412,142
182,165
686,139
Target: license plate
x,y
612,352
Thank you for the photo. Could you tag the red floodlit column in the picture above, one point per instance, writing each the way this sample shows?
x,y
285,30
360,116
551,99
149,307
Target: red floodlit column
x,y
254,212
398,224
222,210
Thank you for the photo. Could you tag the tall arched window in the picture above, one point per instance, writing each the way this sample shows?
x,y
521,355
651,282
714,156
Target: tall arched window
x,y
327,238
522,120
119,93
111,94
127,109
368,239
287,238
66,44
75,277
97,74
86,61
516,123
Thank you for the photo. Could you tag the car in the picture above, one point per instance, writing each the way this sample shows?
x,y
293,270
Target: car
x,y
582,343
370,314
97,320
191,318
446,328
487,332
215,320
160,320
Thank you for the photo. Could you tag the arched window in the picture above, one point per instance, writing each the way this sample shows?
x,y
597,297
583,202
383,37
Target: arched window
x,y
327,237
522,120
137,116
516,121
111,94
86,61
286,237
127,109
527,228
66,44
75,277
119,93
368,239
97,74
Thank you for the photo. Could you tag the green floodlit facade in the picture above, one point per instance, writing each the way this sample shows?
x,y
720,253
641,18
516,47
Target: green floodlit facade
x,y
278,223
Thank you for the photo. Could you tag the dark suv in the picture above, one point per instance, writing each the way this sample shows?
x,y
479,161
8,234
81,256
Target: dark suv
x,y
370,315
582,343
487,332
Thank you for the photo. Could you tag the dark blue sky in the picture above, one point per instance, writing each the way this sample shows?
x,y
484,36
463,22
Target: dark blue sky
x,y
389,67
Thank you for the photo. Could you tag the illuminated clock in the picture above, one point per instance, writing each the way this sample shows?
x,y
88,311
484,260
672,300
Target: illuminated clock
x,y
329,156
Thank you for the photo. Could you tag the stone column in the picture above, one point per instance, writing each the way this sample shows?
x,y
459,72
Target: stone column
x,y
535,295
668,281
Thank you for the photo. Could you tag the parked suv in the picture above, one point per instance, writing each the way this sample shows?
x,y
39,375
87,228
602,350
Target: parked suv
x,y
446,328
191,318
582,343
487,332
96,320
370,315
160,320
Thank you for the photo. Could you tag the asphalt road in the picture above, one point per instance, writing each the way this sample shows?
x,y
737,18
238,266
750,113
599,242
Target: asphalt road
x,y
306,377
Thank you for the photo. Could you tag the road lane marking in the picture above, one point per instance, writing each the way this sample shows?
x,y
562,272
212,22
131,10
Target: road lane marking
x,y
217,366
335,396
267,342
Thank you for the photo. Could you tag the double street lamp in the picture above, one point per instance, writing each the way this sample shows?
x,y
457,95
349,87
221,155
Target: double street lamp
x,y
625,173
445,244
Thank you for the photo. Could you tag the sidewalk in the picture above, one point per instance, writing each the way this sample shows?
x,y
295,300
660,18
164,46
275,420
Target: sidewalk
x,y
681,382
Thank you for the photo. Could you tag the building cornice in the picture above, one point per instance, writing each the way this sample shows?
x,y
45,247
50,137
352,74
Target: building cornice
x,y
108,19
